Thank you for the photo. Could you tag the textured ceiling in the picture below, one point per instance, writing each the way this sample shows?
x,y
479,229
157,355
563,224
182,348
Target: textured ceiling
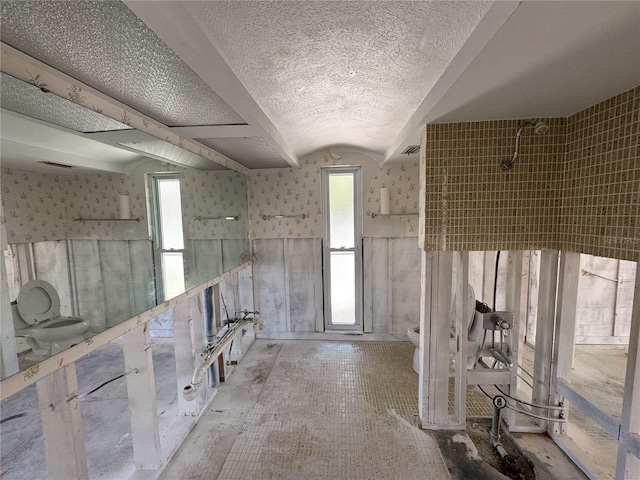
x,y
103,44
300,76
252,152
332,73
21,97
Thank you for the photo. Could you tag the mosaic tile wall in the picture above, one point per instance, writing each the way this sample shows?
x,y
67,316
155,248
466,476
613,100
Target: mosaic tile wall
x,y
575,188
472,204
601,187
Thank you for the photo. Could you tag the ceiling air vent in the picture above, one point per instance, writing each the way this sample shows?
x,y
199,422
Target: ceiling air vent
x,y
411,149
54,164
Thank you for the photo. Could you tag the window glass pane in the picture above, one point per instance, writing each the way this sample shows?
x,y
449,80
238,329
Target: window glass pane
x,y
341,210
172,274
170,213
343,288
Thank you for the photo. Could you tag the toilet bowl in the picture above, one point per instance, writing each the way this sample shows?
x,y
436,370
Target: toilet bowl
x,y
413,332
36,317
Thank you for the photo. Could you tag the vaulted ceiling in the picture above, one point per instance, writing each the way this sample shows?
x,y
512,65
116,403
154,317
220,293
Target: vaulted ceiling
x,y
265,83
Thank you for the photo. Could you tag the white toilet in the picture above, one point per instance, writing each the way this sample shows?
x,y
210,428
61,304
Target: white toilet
x,y
414,332
36,317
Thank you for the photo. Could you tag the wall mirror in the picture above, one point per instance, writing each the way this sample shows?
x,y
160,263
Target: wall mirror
x,y
114,219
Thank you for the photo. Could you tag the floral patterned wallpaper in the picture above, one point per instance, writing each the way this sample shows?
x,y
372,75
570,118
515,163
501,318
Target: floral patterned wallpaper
x,y
215,193
42,207
296,192
34,205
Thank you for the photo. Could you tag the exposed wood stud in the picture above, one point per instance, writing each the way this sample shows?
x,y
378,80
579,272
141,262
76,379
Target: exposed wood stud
x,y
544,330
62,425
628,466
512,304
141,389
435,318
565,327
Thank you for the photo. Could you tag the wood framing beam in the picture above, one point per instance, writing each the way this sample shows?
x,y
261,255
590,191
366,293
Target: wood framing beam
x,y
461,289
30,70
497,376
628,466
565,327
435,318
62,425
513,296
544,329
141,389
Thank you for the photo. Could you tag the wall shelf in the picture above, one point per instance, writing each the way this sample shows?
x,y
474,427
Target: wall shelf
x,y
374,215
265,217
80,219
227,217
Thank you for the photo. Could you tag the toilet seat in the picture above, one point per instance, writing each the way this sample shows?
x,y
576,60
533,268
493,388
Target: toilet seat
x,y
38,301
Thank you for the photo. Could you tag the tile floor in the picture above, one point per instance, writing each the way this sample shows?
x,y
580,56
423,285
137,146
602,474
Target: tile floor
x,y
327,410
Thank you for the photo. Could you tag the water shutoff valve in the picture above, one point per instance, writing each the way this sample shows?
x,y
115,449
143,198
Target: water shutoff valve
x,y
497,320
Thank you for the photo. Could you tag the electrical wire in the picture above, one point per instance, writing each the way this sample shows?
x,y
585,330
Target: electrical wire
x,y
26,414
546,407
524,412
78,397
93,390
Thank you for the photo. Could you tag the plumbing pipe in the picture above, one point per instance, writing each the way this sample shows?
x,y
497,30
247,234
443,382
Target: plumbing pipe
x,y
210,334
189,392
509,461
501,357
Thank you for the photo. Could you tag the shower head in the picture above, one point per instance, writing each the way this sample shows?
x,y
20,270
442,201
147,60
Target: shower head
x,y
540,128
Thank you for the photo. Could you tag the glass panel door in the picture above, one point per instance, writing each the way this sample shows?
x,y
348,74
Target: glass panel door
x,y
342,252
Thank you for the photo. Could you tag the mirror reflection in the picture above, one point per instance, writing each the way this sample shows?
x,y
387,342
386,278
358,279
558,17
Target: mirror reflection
x,y
102,225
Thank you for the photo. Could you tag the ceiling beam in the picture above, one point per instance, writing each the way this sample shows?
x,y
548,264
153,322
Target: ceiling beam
x,y
217,131
177,28
30,70
496,16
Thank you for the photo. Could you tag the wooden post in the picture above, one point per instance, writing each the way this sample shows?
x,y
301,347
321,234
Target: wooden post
x,y
435,318
628,465
513,297
141,388
62,425
544,329
461,288
565,327
8,351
